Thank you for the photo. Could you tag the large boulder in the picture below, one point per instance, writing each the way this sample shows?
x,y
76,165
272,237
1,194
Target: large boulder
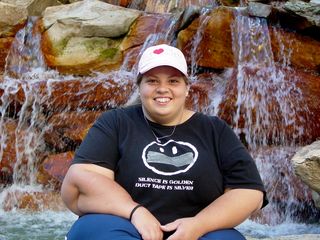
x,y
307,166
215,44
14,13
85,36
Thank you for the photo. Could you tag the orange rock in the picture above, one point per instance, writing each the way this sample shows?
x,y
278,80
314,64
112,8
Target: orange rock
x,y
198,98
71,125
143,27
8,158
33,201
85,93
53,169
5,44
215,47
303,50
304,112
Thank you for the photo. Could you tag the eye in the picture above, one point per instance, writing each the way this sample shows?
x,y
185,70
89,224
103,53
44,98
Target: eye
x,y
174,80
151,80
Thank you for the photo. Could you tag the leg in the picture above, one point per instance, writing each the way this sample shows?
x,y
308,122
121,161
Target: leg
x,y
102,227
224,234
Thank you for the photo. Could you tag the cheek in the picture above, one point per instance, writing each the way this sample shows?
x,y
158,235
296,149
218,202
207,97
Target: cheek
x,y
181,93
145,92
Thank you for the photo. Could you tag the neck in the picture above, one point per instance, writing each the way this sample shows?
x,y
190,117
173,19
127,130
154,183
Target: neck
x,y
166,121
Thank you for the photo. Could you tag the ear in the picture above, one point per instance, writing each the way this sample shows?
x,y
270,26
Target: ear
x,y
187,93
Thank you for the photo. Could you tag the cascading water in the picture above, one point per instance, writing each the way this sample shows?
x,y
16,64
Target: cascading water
x,y
267,104
267,101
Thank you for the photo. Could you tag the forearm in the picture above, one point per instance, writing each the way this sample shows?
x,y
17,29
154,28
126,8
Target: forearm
x,y
86,191
229,210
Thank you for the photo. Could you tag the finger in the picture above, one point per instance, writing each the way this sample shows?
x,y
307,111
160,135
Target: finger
x,y
170,226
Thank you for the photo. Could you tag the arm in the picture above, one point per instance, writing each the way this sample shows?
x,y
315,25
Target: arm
x,y
89,188
229,210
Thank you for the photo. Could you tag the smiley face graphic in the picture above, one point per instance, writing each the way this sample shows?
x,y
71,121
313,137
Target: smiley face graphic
x,y
170,158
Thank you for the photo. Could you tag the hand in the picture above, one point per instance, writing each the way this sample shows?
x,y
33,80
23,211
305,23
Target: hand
x,y
185,228
146,224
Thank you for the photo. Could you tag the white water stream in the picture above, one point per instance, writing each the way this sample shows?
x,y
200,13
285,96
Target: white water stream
x,y
47,225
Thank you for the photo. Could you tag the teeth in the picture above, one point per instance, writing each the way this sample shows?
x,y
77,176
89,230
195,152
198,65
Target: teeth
x,y
163,100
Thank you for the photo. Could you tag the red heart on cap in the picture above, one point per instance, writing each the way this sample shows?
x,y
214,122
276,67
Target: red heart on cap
x,y
158,51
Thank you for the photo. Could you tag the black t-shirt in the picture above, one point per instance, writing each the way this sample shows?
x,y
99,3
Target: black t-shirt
x,y
177,177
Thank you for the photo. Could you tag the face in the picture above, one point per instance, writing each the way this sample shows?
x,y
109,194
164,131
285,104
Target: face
x,y
163,91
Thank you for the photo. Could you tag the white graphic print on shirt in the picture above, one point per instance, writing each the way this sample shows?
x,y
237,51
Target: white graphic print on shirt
x,y
170,158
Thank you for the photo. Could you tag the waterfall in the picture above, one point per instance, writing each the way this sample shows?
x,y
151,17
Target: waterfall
x,y
267,105
268,102
268,114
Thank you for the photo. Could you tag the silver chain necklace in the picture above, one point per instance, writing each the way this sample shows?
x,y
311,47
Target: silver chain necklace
x,y
159,138
166,136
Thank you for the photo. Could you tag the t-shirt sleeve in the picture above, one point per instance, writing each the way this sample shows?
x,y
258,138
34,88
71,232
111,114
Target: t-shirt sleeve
x,y
100,146
238,168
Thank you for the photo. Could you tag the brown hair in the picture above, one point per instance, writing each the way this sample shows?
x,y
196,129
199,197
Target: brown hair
x,y
140,76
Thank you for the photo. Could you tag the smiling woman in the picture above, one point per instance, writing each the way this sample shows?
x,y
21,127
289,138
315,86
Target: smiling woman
x,y
159,170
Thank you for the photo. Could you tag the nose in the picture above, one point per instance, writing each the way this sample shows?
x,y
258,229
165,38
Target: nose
x,y
162,87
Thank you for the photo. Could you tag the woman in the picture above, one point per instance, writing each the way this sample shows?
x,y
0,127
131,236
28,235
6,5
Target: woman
x,y
158,170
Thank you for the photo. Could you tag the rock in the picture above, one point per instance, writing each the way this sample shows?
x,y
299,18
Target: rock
x,y
310,11
82,93
53,169
69,126
259,9
215,47
5,44
33,201
14,13
303,49
8,149
304,126
142,28
85,36
13,18
33,7
302,17
307,165
316,199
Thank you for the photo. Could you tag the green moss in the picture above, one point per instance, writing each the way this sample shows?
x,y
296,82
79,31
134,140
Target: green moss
x,y
95,44
108,53
60,46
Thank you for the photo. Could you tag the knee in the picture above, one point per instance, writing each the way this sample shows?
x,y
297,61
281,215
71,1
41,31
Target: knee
x,y
223,234
101,226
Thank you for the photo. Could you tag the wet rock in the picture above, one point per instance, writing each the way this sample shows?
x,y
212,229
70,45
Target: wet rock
x,y
8,149
307,165
33,201
302,126
69,125
199,93
142,28
303,49
14,13
85,36
170,6
82,93
215,47
5,44
53,169
259,9
299,16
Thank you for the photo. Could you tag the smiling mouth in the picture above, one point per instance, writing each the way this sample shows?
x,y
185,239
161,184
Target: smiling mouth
x,y
162,100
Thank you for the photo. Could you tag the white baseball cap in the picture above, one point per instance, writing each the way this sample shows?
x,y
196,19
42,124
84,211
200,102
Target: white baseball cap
x,y
162,55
